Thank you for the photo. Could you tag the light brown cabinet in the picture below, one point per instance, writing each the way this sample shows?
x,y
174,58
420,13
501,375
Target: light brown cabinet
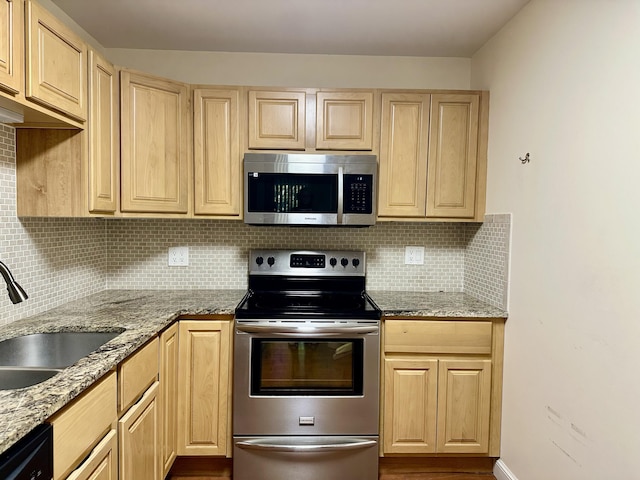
x,y
344,120
11,45
102,463
442,386
433,156
56,64
140,423
155,168
277,119
68,172
204,400
216,152
82,425
103,135
311,119
169,396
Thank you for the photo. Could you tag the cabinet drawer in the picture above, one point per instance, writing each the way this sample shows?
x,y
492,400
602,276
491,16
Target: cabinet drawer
x,y
102,464
439,336
136,374
78,427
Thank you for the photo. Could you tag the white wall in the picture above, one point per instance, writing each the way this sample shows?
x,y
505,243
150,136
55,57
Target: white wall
x,y
564,79
288,70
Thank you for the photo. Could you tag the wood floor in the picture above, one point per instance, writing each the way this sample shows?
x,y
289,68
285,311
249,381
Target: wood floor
x,y
193,468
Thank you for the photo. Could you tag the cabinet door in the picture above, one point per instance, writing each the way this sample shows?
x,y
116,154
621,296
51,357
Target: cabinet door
x,y
410,403
217,158
154,140
203,387
102,464
103,149
344,120
464,395
56,64
403,155
11,42
139,439
277,120
169,396
453,150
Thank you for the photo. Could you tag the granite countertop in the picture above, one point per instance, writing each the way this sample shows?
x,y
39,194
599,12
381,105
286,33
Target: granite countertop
x,y
433,304
144,313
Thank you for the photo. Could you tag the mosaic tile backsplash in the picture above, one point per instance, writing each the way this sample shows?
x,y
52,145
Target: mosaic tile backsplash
x,y
57,260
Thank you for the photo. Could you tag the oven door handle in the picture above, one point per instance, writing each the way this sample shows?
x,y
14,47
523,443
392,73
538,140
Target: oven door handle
x,y
323,331
356,444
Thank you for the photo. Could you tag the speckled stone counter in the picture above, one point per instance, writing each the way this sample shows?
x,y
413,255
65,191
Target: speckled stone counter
x,y
141,313
144,313
446,305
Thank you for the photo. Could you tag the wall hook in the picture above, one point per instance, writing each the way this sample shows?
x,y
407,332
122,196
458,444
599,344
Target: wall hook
x,y
526,159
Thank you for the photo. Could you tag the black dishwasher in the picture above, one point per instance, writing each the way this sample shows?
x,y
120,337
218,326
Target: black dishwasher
x,y
31,458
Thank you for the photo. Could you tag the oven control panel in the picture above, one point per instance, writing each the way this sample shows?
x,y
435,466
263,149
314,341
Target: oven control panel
x,y
304,262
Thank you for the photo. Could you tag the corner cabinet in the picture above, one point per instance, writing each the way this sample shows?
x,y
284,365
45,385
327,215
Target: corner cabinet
x,y
433,156
155,168
216,152
204,398
11,45
442,386
56,64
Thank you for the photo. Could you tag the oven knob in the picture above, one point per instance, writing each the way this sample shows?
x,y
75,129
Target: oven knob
x,y
333,262
259,260
271,261
344,262
355,262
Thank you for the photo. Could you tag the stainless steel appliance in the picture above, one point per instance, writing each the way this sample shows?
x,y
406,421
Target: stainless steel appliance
x,y
310,189
306,369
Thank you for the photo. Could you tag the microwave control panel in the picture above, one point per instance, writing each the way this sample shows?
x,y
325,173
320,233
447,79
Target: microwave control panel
x,y
358,193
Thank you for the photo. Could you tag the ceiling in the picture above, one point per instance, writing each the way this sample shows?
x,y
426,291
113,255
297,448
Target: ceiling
x,y
425,28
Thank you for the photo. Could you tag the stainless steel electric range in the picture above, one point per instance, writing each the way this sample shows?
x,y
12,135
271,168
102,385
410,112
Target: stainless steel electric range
x,y
306,369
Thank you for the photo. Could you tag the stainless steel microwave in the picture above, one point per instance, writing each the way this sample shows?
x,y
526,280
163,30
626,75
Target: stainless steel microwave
x,y
310,189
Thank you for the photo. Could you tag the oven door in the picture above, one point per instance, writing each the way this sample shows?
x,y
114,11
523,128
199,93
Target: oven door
x,y
291,378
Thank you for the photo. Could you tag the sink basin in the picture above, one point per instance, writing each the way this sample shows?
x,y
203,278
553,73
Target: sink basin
x,y
51,350
15,377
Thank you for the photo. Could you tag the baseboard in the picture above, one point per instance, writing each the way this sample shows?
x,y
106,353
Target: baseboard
x,y
502,472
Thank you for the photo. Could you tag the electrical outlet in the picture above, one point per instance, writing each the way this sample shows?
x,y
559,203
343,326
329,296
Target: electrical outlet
x,y
414,255
178,257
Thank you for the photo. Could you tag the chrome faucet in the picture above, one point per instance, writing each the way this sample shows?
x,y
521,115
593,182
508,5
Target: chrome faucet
x,y
16,292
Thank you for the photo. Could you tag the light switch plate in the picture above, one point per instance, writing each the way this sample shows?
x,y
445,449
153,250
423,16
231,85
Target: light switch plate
x,y
178,257
414,255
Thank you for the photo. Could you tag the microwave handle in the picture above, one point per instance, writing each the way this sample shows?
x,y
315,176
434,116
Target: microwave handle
x,y
340,195
324,331
356,444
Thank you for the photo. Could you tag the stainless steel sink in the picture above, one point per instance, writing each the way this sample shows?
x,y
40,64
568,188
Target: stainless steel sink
x,y
17,377
31,359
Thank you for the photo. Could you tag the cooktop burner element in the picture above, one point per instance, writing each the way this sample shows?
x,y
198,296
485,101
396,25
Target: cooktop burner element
x,y
307,284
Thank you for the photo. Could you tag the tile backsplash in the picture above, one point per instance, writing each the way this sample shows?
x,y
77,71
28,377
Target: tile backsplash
x,y
57,260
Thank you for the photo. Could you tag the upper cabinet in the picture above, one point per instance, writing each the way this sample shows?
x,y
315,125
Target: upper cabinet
x,y
154,145
56,64
103,134
433,150
311,119
344,120
216,151
277,120
11,42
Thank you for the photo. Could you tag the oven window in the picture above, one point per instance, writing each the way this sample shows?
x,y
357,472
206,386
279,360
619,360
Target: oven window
x,y
306,367
292,192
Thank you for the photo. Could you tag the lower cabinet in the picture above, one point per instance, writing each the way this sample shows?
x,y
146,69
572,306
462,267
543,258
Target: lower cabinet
x,y
442,386
169,396
437,406
102,464
139,439
204,393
